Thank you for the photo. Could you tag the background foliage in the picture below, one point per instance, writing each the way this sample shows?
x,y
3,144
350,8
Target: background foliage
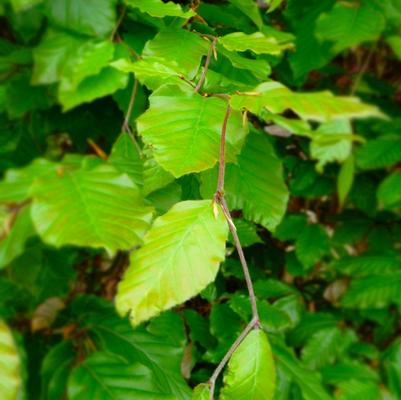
x,y
108,159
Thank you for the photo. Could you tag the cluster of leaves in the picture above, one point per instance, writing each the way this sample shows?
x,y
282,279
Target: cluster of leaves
x,y
119,277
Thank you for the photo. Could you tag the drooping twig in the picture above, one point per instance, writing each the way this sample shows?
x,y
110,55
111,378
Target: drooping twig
x,y
219,199
206,67
363,69
119,21
226,358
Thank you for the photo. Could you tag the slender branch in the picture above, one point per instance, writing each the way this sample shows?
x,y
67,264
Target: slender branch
x,y
226,358
222,163
363,69
119,21
206,67
125,127
248,279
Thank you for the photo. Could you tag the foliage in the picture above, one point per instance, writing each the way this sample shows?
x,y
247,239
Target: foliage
x,y
121,273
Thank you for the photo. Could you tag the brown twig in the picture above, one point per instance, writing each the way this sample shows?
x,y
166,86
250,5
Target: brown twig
x,y
207,62
363,69
119,21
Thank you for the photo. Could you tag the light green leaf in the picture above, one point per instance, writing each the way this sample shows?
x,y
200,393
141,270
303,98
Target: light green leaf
x,y
179,47
311,245
89,17
14,188
318,106
274,4
349,24
201,392
23,5
180,257
353,389
14,242
395,44
260,68
89,60
95,207
256,42
184,128
156,8
104,376
379,153
330,142
126,158
10,365
373,291
345,179
247,188
251,373
51,55
108,81
389,192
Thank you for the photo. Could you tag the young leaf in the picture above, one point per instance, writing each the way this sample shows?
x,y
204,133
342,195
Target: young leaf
x,y
318,106
345,179
180,257
201,392
156,8
96,207
184,130
389,192
104,376
10,365
262,200
251,373
256,42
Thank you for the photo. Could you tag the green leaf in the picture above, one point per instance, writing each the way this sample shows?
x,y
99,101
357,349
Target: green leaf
x,y
126,158
108,377
180,257
311,245
178,47
308,381
318,106
14,242
345,179
262,200
153,349
389,192
350,24
395,44
96,207
274,4
353,389
331,142
373,291
108,81
251,373
10,365
250,9
22,5
256,42
90,17
247,233
156,8
379,153
184,128
55,370
201,392
325,346
51,55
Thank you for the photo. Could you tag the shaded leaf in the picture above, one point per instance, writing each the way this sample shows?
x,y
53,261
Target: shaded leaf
x,y
156,8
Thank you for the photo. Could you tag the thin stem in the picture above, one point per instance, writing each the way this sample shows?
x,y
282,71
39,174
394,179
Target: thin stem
x,y
248,279
206,67
226,358
363,69
120,20
222,163
125,127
